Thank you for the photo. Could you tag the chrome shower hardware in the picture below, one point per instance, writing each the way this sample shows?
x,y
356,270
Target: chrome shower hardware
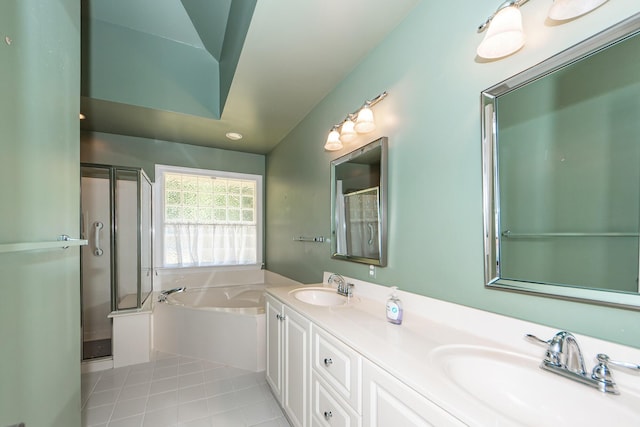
x,y
164,294
97,227
564,358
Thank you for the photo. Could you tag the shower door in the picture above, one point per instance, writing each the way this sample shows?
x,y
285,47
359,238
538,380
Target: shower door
x,y
96,262
117,263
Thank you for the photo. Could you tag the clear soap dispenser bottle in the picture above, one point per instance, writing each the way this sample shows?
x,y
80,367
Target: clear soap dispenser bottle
x,y
394,308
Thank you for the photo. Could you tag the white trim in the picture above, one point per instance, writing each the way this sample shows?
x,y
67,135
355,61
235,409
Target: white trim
x,y
158,189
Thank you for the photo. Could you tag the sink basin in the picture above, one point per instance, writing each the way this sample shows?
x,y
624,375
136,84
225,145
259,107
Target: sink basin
x,y
507,388
326,297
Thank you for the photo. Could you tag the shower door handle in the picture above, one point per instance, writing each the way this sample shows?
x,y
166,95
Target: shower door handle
x,y
97,227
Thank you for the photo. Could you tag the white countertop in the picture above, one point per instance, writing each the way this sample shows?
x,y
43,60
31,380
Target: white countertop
x,y
403,350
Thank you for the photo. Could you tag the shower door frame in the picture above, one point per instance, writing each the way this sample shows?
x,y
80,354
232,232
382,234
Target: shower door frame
x,y
113,225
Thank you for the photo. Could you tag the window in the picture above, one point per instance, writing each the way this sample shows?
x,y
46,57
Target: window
x,y
208,218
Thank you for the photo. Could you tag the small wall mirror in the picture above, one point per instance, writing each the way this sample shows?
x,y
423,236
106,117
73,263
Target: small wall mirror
x,y
359,205
561,165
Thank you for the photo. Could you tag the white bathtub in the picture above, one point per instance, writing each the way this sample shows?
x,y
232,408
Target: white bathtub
x,y
247,299
224,324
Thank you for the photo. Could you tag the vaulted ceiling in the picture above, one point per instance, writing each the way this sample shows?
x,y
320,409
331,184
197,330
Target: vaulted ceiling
x,y
192,70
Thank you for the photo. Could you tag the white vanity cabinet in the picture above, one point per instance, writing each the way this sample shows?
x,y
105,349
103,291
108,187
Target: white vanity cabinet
x,y
387,402
322,382
288,349
336,382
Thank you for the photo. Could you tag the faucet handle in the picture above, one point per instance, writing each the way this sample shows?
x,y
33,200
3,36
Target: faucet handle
x,y
602,374
536,340
603,359
349,289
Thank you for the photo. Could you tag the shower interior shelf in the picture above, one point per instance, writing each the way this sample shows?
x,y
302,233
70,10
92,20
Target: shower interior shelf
x,y
34,246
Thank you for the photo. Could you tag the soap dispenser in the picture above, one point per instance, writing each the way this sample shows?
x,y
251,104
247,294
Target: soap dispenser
x,y
394,308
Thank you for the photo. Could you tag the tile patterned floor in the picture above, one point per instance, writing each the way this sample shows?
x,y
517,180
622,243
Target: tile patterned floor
x,y
176,391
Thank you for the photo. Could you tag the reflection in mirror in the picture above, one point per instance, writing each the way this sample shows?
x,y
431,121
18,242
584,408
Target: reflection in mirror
x,y
358,199
561,154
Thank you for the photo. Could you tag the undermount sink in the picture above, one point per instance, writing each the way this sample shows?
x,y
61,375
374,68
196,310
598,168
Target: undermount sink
x,y
516,391
326,297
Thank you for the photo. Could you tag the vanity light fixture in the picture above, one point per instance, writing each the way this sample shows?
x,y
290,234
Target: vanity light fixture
x,y
349,130
504,28
333,140
504,31
562,10
365,122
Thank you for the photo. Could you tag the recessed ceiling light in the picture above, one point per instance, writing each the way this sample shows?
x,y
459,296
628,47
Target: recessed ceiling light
x,y
234,136
82,116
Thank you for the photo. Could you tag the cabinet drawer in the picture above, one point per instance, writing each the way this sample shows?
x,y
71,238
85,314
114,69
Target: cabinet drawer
x,y
326,408
338,365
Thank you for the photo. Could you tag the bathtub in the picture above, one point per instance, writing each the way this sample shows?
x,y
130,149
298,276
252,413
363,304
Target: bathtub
x,y
223,324
247,299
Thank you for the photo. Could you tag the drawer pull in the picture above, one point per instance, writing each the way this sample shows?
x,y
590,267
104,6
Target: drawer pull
x,y
328,361
327,415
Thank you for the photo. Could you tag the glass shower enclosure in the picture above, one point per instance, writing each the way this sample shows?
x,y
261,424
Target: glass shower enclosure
x,y
116,265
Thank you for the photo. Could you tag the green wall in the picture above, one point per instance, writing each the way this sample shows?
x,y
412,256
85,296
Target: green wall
x,y
132,67
122,150
39,181
432,119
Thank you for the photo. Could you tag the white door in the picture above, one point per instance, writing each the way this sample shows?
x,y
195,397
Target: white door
x,y
273,311
297,399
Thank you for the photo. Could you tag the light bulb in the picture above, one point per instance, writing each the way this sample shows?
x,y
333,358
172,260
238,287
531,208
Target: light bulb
x,y
348,133
561,10
365,122
333,141
504,35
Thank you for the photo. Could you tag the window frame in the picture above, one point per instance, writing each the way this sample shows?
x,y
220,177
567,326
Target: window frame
x,y
159,193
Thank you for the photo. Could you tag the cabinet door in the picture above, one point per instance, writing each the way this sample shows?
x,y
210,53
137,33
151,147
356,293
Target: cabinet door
x,y
273,310
389,403
296,396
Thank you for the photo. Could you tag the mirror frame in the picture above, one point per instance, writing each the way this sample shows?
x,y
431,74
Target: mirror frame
x,y
490,186
381,143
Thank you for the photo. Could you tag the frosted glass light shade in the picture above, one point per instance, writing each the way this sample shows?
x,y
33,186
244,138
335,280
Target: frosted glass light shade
x,y
561,10
504,35
333,141
365,122
348,132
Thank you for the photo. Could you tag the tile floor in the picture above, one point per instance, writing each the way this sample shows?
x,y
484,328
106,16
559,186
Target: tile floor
x,y
176,391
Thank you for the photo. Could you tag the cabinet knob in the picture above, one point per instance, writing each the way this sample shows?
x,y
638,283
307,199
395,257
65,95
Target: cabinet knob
x,y
280,316
327,415
327,362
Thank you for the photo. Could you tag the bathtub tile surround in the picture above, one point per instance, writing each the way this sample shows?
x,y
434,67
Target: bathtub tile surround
x,y
177,391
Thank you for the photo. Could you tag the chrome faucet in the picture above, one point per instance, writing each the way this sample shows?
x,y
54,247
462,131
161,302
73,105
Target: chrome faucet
x,y
564,351
164,294
564,358
344,288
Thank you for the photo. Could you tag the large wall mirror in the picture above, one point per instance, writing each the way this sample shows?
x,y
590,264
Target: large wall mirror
x,y
359,205
561,166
